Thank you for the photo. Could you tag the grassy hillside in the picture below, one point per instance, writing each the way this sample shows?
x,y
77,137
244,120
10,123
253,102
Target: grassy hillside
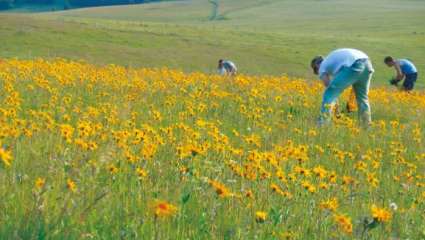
x,y
118,152
263,37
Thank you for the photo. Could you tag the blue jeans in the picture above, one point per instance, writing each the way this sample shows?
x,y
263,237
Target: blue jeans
x,y
358,76
409,81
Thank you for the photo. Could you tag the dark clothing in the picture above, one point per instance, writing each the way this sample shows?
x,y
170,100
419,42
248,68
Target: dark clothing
x,y
229,66
409,81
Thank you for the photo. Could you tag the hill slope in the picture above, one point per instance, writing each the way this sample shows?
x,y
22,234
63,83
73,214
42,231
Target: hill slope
x,y
263,37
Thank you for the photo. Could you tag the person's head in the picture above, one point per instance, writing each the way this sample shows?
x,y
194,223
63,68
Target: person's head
x,y
220,63
315,64
389,61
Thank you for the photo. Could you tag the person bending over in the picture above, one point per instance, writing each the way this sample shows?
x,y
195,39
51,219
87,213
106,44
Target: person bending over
x,y
226,67
339,70
405,69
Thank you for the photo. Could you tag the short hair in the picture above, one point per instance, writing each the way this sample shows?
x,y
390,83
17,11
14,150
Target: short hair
x,y
314,61
388,59
220,61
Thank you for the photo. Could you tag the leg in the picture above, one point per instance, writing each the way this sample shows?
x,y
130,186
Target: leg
x,y
342,80
409,81
361,89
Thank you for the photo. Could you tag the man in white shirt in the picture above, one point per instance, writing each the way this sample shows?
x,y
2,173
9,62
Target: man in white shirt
x,y
341,69
226,67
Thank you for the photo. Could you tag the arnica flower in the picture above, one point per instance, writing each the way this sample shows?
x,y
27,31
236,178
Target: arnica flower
x,y
184,170
260,216
220,189
320,172
380,214
113,169
39,183
287,235
71,185
141,173
344,223
308,186
276,188
249,194
164,209
347,180
373,181
323,186
6,157
331,204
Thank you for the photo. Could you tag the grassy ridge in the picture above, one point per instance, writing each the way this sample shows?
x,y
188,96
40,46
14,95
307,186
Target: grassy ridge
x,y
263,37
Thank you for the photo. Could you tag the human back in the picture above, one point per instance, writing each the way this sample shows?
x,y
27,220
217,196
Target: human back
x,y
226,67
344,57
407,67
229,66
341,69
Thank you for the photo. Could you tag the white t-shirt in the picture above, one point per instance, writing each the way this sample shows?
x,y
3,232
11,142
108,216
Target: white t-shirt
x,y
344,57
228,67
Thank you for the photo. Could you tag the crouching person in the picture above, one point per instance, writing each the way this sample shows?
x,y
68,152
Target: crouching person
x,y
405,69
339,70
226,67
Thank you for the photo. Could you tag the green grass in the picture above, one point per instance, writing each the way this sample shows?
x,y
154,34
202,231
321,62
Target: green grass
x,y
262,37
183,130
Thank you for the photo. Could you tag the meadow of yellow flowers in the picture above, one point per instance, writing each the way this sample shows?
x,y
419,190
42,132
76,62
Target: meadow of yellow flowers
x,y
109,152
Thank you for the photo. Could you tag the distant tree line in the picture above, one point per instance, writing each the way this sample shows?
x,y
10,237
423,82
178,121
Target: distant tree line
x,y
66,4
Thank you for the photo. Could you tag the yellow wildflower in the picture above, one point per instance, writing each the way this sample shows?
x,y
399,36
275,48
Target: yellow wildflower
x,y
220,189
164,209
39,183
141,173
331,204
380,214
71,185
260,216
6,157
344,223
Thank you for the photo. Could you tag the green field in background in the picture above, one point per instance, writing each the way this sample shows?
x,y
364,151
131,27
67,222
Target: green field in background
x,y
262,37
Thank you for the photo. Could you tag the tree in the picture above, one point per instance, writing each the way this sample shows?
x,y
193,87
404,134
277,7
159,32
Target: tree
x,y
66,4
6,4
63,4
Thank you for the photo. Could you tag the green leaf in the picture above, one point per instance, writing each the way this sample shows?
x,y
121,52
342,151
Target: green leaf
x,y
372,224
185,198
276,216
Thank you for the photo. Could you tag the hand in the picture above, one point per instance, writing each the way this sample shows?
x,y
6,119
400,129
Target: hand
x,y
394,82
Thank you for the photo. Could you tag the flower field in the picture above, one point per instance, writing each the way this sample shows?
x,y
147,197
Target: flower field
x,y
91,152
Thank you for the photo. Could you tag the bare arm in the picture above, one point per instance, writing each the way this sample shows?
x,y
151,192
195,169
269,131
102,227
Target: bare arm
x,y
325,79
400,75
